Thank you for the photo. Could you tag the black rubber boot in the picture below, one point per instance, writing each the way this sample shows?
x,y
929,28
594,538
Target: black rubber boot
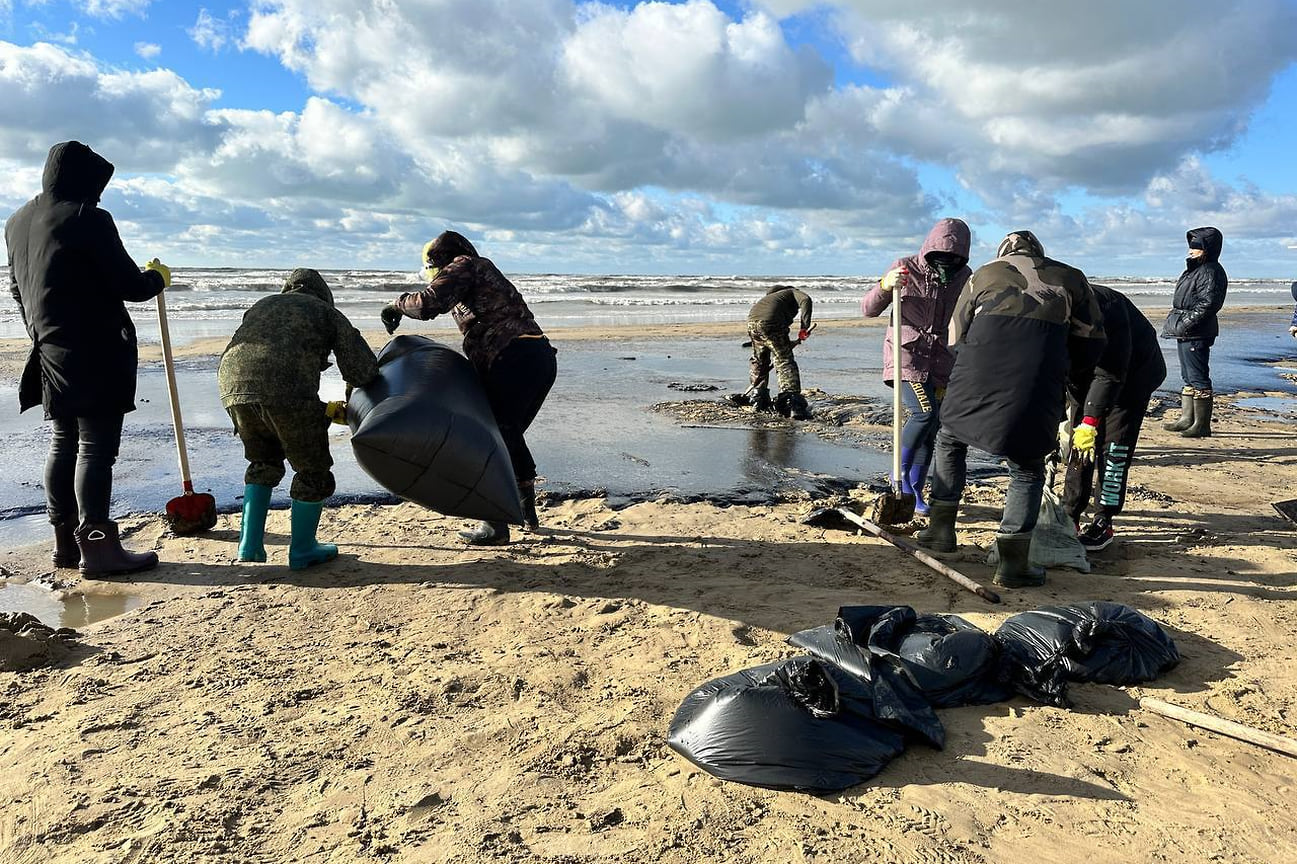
x,y
1186,413
66,552
1201,427
1015,569
527,491
487,534
102,553
761,400
798,408
939,536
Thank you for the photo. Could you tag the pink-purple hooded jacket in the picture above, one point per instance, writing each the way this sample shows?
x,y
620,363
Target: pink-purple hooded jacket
x,y
926,306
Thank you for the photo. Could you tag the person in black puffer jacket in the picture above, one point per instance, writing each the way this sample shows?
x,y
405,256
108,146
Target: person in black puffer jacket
x,y
69,275
1199,294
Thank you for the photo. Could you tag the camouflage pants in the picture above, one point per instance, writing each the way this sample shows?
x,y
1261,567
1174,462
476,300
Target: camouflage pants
x,y
298,433
765,345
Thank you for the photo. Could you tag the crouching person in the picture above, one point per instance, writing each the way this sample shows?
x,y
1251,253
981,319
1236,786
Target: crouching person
x,y
269,378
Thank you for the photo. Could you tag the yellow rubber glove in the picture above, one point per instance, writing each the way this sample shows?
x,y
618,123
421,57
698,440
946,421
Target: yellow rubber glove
x,y
893,279
162,269
1083,439
337,412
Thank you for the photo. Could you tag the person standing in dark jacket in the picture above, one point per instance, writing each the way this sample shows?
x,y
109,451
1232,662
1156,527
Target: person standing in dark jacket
x,y
1021,322
768,323
1292,325
1107,413
1199,295
929,283
269,378
513,358
69,275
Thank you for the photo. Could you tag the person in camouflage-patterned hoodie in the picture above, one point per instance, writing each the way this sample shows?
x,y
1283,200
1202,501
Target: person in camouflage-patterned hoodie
x,y
514,360
269,378
768,323
1021,322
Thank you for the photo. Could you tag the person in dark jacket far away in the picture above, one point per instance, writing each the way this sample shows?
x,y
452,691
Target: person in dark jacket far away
x,y
768,323
1021,322
269,378
1199,294
1292,325
69,275
514,360
929,283
1107,410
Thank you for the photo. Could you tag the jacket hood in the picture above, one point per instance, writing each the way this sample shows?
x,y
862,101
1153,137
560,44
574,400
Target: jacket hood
x,y
448,246
1020,243
777,288
948,235
74,172
1209,240
303,280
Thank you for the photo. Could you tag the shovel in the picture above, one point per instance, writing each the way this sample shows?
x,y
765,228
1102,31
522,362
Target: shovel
x,y
193,512
895,507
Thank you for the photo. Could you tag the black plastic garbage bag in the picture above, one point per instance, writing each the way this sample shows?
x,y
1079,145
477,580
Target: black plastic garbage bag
x,y
948,660
794,724
1099,642
424,430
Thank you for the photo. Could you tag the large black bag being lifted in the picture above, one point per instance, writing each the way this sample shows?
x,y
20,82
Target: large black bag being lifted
x,y
424,431
793,724
1099,642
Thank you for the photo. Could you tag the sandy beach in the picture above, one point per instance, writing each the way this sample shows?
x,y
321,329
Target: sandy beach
x,y
417,700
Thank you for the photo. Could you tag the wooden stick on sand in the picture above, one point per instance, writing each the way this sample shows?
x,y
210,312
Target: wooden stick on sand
x,y
1270,741
910,549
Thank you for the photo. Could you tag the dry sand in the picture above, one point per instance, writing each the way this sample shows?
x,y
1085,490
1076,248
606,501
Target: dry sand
x,y
420,701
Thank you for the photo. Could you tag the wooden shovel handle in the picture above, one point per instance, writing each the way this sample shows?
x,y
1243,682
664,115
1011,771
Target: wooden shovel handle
x,y
176,420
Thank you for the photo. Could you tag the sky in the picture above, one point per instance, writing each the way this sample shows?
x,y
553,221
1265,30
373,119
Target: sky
x,y
749,137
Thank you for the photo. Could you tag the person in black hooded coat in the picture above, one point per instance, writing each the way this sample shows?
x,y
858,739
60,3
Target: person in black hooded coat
x,y
70,275
1199,295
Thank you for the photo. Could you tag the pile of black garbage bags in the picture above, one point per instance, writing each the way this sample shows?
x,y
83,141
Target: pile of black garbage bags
x,y
872,680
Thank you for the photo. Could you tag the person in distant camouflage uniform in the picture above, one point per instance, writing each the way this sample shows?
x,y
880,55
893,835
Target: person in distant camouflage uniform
x,y
768,324
514,359
1021,322
269,378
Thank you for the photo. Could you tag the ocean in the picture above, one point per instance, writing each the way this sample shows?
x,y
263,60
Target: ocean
x,y
597,433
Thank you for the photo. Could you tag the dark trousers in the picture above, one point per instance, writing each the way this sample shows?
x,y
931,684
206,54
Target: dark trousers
x,y
516,385
1026,483
923,404
298,433
1195,357
79,468
1114,448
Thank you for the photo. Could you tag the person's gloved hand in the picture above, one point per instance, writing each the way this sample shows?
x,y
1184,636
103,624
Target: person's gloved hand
x,y
894,279
1083,438
803,335
337,412
391,316
162,270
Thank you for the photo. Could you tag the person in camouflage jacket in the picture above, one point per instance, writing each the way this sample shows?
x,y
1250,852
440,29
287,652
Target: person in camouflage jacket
x,y
269,379
1020,324
515,361
768,323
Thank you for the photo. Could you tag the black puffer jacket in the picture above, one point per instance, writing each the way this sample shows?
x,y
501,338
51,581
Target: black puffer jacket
x,y
1200,290
69,275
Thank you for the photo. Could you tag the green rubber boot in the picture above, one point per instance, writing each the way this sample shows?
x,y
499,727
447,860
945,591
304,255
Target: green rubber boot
x,y
303,550
1201,426
1186,413
939,536
252,533
1015,569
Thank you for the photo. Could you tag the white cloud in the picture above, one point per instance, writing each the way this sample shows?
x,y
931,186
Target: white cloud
x,y
212,34
113,8
148,50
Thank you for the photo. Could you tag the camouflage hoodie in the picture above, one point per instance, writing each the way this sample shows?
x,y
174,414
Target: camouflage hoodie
x,y
1021,322
487,308
276,356
927,303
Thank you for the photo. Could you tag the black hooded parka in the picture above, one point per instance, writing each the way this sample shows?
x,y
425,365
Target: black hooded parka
x,y
1200,290
70,274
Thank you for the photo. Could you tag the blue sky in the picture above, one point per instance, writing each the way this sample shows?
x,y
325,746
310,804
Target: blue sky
x,y
770,136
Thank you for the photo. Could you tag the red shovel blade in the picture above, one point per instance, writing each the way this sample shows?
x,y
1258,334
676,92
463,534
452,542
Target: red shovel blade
x,y
191,513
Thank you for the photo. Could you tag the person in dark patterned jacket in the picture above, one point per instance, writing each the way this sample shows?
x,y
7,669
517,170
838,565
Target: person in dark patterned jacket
x,y
515,361
768,323
1019,325
269,378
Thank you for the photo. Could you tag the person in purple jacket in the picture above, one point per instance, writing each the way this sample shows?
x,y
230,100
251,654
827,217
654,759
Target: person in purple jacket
x,y
929,283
